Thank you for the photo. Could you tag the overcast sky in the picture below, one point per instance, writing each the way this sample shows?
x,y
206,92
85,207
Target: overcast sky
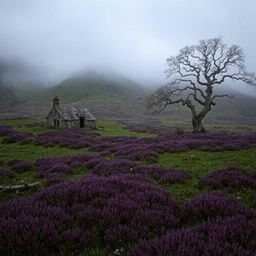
x,y
133,37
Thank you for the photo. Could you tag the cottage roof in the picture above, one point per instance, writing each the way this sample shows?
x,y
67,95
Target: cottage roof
x,y
73,113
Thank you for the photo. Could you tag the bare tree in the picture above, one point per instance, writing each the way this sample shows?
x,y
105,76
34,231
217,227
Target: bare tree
x,y
193,75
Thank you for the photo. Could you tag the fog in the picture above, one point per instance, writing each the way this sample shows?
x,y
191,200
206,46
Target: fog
x,y
58,37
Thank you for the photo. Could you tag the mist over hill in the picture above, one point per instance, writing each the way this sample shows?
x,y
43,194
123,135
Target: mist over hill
x,y
107,94
92,83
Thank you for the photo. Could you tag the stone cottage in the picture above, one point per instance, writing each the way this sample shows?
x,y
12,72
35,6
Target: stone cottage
x,y
62,116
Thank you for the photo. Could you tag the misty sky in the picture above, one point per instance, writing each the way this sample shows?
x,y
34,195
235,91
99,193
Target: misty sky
x,y
133,37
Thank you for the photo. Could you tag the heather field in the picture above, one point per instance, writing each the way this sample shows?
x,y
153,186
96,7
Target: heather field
x,y
126,189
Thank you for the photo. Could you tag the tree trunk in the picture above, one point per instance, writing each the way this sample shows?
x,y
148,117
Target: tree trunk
x,y
198,117
197,125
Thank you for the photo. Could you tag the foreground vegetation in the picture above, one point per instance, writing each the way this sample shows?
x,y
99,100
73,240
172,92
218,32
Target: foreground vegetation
x,y
102,195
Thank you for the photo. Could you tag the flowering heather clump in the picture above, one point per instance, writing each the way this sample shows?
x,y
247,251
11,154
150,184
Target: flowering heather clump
x,y
213,205
173,176
53,178
93,162
150,127
21,166
139,171
60,168
71,138
75,216
63,164
5,129
253,175
138,148
234,236
30,227
133,148
120,166
229,177
13,162
16,136
6,173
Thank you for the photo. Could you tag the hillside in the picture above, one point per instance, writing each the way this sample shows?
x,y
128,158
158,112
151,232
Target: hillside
x,y
112,96
7,95
106,94
19,82
240,108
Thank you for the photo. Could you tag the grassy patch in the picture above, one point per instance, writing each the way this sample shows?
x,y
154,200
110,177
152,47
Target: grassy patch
x,y
18,121
77,174
34,130
198,163
212,126
30,152
107,128
230,127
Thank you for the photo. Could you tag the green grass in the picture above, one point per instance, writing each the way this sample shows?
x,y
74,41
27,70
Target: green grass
x,y
20,125
175,123
212,126
107,128
227,127
198,163
18,121
30,152
77,174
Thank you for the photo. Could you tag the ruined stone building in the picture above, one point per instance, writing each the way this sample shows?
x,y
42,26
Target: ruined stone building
x,y
63,116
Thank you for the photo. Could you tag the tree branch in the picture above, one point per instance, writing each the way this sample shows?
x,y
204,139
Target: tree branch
x,y
221,96
19,187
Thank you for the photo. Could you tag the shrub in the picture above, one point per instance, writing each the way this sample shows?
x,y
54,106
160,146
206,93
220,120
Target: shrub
x,y
211,206
234,236
74,216
21,166
6,173
230,177
15,136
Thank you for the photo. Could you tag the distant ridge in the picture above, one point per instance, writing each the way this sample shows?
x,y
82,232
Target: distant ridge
x,y
107,94
7,95
113,96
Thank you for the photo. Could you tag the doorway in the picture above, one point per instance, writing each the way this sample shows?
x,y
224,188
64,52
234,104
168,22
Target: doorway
x,y
82,122
56,123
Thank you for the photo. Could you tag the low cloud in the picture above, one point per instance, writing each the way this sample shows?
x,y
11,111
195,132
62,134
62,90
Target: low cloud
x,y
131,37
